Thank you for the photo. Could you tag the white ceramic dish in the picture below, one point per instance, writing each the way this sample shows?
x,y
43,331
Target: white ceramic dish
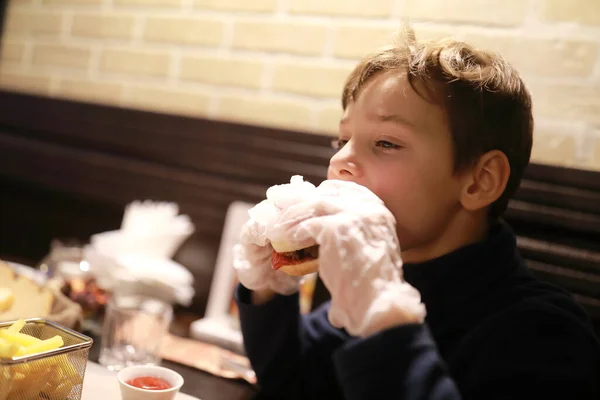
x,y
102,384
129,392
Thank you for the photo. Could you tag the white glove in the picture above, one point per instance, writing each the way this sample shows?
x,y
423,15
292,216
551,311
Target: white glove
x,y
253,265
359,256
252,257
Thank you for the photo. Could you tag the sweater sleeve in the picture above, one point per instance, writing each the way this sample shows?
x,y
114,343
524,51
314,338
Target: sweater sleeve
x,y
290,353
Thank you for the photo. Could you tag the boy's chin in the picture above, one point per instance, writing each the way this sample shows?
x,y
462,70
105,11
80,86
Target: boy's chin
x,y
448,242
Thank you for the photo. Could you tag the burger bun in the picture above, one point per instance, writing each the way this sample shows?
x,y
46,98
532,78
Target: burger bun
x,y
301,269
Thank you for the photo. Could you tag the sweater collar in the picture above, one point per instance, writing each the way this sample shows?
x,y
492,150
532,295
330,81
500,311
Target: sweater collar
x,y
452,280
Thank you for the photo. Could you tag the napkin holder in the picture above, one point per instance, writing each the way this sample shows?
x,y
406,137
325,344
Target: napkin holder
x,y
220,324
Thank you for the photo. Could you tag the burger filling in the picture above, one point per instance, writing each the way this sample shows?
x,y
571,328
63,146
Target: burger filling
x,y
278,260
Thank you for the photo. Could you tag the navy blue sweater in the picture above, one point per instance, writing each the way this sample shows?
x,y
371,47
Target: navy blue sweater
x,y
492,332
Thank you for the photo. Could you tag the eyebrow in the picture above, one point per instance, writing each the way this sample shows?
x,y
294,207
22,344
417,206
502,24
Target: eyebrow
x,y
385,118
399,119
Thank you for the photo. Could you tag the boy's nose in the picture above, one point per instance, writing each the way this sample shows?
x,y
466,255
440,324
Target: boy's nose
x,y
348,171
343,166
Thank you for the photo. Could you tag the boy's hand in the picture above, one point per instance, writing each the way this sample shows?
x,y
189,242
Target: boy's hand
x,y
359,257
253,265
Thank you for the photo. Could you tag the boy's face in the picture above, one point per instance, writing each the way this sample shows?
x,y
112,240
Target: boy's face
x,y
399,145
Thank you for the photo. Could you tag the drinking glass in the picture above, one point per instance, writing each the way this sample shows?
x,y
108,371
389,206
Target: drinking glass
x,y
133,329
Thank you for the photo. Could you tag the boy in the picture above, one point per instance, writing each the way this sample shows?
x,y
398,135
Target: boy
x,y
441,133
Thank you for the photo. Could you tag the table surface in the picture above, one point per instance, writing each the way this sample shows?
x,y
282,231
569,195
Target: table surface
x,y
198,383
100,384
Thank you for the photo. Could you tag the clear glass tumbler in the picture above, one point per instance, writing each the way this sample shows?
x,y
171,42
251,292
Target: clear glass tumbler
x,y
133,329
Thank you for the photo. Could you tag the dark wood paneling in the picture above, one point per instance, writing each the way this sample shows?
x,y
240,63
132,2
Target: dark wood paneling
x,y
69,168
220,149
117,179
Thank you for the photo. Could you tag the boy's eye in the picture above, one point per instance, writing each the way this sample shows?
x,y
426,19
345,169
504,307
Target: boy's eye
x,y
337,144
384,144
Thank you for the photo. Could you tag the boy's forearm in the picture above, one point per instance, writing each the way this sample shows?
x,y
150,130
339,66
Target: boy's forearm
x,y
279,342
270,326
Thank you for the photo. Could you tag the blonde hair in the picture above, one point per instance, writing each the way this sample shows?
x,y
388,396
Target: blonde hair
x,y
487,103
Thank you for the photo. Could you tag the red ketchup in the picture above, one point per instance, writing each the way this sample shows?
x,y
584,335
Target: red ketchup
x,y
149,383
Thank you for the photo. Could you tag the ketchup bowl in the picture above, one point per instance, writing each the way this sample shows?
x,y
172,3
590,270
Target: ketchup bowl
x,y
148,382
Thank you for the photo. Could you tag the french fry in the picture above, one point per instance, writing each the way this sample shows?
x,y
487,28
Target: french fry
x,y
6,379
41,346
8,349
18,382
60,384
34,384
69,372
61,391
35,367
29,385
17,326
18,338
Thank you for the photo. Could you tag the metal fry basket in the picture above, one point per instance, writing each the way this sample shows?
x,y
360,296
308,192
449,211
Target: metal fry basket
x,y
51,375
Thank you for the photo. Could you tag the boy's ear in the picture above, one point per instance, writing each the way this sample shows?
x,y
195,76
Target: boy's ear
x,y
486,181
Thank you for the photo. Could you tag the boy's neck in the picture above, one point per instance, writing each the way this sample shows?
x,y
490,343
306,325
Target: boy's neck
x,y
463,230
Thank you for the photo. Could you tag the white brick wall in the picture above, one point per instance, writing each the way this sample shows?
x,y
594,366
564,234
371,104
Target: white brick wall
x,y
282,62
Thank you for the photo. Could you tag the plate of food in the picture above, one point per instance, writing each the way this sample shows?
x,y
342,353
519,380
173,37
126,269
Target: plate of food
x,y
24,293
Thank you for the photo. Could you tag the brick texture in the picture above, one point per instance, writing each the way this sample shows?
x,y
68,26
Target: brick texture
x,y
328,118
543,57
26,22
149,3
198,31
296,38
95,92
223,71
11,51
355,40
135,62
283,62
358,8
578,103
578,11
237,5
173,101
61,56
310,79
493,12
74,2
22,82
554,149
103,26
269,112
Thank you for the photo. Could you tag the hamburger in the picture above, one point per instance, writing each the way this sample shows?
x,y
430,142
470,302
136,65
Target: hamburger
x,y
293,261
272,219
266,216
